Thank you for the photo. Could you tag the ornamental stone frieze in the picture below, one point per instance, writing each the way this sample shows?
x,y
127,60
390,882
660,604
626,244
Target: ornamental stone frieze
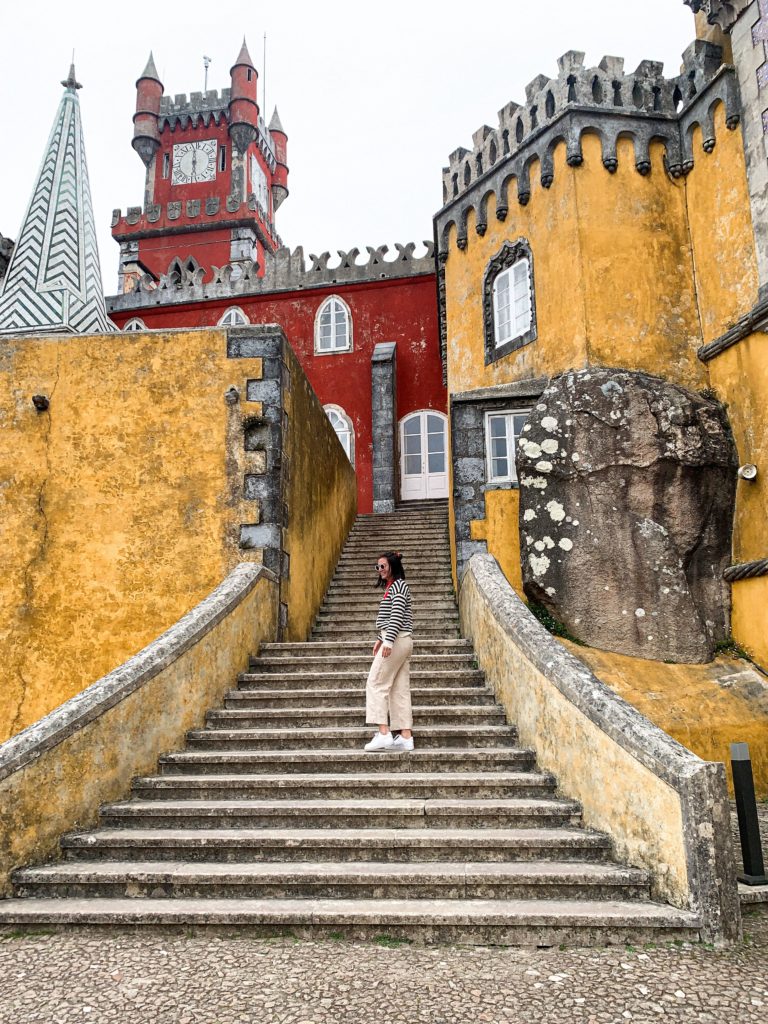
x,y
719,12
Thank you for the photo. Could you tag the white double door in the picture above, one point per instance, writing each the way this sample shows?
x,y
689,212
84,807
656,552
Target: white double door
x,y
424,456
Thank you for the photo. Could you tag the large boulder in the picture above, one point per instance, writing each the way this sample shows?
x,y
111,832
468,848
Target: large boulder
x,y
627,489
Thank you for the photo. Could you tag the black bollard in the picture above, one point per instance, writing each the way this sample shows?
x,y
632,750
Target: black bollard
x,y
746,809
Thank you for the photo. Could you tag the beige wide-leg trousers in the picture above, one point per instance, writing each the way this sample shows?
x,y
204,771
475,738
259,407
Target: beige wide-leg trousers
x,y
388,690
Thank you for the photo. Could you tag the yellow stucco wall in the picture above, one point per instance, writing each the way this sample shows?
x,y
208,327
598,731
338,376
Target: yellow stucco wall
x,y
65,786
117,512
618,794
704,707
500,531
121,506
719,218
321,495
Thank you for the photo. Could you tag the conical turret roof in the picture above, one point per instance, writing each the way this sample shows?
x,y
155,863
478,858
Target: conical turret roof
x,y
244,57
274,124
53,282
150,71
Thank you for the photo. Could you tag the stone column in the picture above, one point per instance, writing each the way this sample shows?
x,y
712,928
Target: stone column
x,y
384,425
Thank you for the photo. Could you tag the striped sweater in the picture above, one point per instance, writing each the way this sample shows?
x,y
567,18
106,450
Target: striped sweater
x,y
394,613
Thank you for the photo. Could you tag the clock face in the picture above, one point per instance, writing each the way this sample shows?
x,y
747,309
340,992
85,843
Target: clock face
x,y
194,161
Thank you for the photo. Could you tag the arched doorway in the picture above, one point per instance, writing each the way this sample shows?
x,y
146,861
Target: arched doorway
x,y
424,455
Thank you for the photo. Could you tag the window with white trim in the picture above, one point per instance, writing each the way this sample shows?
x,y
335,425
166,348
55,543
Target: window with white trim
x,y
509,302
234,317
342,424
135,325
333,326
512,302
502,432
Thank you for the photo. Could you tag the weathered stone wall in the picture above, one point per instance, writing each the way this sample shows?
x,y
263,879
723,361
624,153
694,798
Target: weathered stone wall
x,y
55,775
626,508
320,495
665,809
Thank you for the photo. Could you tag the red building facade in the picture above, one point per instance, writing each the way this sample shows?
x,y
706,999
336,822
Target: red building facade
x,y
204,252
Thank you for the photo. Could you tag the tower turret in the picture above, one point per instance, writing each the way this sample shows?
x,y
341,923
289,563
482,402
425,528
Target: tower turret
x,y
146,133
280,177
243,107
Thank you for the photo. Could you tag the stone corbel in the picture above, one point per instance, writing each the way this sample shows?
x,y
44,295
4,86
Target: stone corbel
x,y
719,12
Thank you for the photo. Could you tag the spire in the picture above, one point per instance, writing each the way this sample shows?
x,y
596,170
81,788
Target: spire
x,y
244,57
53,282
71,82
150,71
274,124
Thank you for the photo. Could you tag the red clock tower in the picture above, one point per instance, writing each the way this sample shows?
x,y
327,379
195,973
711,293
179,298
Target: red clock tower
x,y
215,175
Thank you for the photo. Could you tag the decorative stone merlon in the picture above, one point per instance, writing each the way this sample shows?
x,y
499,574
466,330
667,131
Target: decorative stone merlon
x,y
285,271
718,12
606,99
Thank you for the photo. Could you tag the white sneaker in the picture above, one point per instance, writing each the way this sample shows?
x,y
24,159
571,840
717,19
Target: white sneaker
x,y
381,741
401,743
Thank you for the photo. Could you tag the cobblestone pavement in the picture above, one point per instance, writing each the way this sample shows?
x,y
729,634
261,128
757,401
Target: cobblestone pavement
x,y
149,979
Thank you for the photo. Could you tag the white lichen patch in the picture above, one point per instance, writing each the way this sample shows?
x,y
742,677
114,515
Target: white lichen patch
x,y
550,591
539,482
539,564
549,423
530,449
543,466
529,515
575,456
640,613
541,407
565,543
556,511
549,445
539,545
548,542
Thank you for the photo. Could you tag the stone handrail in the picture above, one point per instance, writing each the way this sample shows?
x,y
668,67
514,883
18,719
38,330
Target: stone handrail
x,y
55,774
665,809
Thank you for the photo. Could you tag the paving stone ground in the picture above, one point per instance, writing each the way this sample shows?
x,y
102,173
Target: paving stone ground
x,y
87,976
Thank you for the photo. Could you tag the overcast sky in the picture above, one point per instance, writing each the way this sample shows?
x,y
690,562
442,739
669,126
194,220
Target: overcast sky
x,y
373,96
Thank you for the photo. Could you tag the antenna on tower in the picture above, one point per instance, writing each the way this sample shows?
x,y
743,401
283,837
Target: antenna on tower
x,y
206,65
264,87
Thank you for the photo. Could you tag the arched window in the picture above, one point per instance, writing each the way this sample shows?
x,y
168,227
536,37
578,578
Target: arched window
x,y
345,432
135,325
509,308
333,326
234,317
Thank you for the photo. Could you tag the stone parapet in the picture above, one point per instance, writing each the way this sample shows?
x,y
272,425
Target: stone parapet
x,y
285,271
177,216
665,808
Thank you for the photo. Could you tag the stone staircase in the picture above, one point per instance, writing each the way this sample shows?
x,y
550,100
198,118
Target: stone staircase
x,y
274,820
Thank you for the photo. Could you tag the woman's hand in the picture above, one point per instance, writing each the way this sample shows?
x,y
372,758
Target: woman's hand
x,y
376,647
386,651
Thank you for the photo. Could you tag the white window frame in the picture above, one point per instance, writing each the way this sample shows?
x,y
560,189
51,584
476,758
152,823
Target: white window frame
x,y
340,306
346,435
520,306
511,439
233,317
135,324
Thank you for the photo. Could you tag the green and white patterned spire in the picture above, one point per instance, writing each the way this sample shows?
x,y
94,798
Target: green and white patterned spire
x,y
53,282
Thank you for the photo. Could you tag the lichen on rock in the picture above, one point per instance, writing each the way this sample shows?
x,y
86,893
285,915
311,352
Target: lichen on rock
x,y
639,501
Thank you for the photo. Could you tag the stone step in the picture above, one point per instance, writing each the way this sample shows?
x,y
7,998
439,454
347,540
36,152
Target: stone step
x,y
361,575
423,696
338,662
371,605
346,786
281,762
328,813
421,648
428,737
377,845
357,616
245,718
485,922
355,680
452,880
361,633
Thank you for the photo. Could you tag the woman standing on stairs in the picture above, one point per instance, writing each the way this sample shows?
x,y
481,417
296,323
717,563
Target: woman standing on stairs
x,y
388,689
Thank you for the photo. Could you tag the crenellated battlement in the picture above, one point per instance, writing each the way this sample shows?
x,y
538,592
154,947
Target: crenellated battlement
x,y
205,108
141,222
285,271
604,99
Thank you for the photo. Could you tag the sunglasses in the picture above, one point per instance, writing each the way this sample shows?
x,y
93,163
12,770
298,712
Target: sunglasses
x,y
381,565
